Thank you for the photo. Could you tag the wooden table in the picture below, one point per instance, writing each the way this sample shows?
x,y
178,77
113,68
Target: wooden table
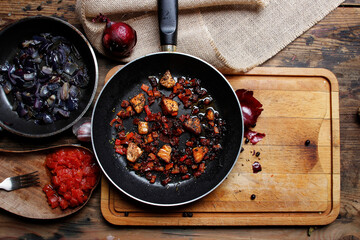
x,y
333,43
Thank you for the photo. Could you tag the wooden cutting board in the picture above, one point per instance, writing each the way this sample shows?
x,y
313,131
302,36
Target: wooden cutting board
x,y
298,184
31,202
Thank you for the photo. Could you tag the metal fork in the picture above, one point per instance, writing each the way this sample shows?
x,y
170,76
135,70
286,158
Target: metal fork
x,y
21,181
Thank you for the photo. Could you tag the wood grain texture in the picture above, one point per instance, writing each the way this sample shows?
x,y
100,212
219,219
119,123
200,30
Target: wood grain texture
x,y
30,202
11,11
333,44
351,3
299,105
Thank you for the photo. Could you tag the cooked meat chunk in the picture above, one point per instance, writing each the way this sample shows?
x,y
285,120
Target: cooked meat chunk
x,y
199,153
143,127
133,152
193,125
210,115
165,153
167,80
169,106
138,102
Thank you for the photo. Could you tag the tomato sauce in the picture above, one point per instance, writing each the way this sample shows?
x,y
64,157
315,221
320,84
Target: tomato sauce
x,y
74,173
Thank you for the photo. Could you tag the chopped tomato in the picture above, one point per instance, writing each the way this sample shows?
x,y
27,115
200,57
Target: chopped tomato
x,y
157,94
125,104
144,87
153,179
112,122
183,158
175,170
147,110
149,138
178,88
120,149
74,174
202,167
169,166
152,156
127,138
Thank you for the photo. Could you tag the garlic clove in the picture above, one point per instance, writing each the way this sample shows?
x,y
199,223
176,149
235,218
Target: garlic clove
x,y
82,130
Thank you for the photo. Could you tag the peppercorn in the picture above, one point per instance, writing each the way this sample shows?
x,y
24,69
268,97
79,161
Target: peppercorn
x,y
247,141
242,149
257,154
187,214
307,142
253,196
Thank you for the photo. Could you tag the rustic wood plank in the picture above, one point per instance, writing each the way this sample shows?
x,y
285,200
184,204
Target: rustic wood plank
x,y
321,46
351,3
11,11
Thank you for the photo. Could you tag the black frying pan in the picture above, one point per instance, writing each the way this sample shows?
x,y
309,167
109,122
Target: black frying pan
x,y
10,38
126,84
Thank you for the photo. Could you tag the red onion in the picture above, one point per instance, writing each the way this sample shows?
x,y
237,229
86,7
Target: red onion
x,y
119,38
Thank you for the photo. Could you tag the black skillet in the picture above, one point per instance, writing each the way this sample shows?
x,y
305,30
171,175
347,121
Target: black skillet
x,y
10,38
126,84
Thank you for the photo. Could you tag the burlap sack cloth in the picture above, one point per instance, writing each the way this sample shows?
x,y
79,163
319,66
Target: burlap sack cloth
x,y
232,35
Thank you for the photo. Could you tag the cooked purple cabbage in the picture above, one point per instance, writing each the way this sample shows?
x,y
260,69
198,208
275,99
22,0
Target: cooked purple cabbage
x,y
43,80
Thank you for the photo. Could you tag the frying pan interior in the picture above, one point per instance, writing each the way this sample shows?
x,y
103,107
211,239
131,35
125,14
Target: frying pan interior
x,y
126,84
10,40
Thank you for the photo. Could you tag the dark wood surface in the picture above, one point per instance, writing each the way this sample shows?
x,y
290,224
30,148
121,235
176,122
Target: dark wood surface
x,y
333,43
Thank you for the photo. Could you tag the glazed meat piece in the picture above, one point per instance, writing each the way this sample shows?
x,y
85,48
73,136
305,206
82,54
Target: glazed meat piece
x,y
199,153
165,153
133,152
193,125
138,102
143,127
167,80
169,106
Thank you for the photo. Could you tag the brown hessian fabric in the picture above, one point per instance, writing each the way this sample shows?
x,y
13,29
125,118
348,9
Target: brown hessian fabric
x,y
232,35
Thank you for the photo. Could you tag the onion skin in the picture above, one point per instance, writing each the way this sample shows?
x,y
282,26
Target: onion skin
x,y
119,38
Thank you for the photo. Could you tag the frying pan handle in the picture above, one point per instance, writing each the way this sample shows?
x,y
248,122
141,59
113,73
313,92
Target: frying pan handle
x,y
168,23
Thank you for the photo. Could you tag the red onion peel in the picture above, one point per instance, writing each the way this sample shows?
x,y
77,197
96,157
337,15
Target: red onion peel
x,y
251,109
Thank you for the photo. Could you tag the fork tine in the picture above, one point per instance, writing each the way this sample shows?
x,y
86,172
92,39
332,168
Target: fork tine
x,y
33,179
28,175
30,184
29,178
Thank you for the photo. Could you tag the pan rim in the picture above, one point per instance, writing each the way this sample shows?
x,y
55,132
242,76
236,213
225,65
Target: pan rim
x,y
165,204
96,78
